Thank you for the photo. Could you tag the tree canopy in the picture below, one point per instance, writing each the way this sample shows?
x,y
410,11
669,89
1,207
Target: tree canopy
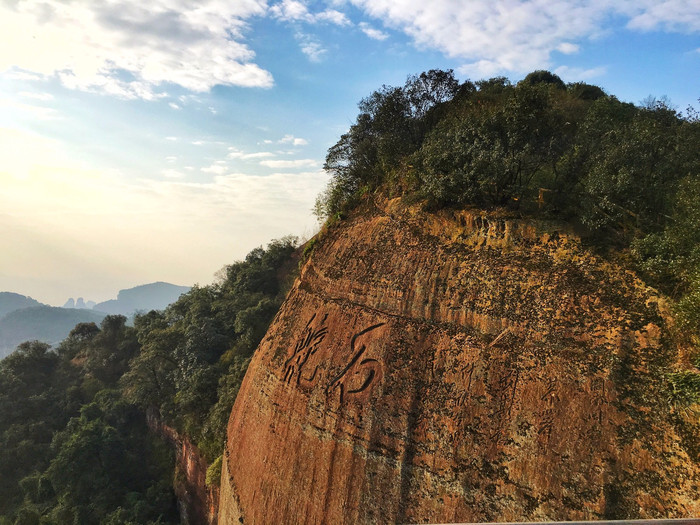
x,y
74,444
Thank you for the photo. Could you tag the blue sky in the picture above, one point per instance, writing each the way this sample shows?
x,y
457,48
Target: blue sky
x,y
162,140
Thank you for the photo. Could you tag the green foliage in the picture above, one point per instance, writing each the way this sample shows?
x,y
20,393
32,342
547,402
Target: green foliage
x,y
390,127
494,154
584,91
213,434
104,459
71,453
214,472
544,77
685,388
34,403
629,164
309,249
539,147
108,352
194,354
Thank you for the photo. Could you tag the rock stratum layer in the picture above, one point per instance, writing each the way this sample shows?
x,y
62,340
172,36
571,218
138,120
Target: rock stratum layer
x,y
453,367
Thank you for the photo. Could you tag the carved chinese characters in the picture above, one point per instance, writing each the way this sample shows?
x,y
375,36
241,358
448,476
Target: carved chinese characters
x,y
367,370
307,345
312,363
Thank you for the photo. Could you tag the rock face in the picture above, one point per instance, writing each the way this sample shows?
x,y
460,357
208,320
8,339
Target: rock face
x,y
454,367
197,502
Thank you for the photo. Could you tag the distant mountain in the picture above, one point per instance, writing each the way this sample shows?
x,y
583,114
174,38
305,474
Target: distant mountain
x,y
24,319
13,301
45,323
79,303
154,296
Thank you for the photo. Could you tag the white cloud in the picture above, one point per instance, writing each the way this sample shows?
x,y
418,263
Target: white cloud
x,y
574,74
15,73
568,48
289,164
218,168
295,11
493,36
289,10
235,153
667,15
311,47
44,97
483,68
172,174
9,105
373,33
132,49
294,141
173,105
258,155
334,17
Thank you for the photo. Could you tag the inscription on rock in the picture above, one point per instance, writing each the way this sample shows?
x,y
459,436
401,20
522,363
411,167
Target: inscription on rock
x,y
366,370
307,345
309,365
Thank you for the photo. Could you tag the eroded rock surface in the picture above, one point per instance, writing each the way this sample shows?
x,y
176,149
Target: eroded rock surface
x,y
445,368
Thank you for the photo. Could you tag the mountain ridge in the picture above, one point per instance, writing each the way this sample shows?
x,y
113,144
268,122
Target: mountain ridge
x,y
10,301
145,297
33,320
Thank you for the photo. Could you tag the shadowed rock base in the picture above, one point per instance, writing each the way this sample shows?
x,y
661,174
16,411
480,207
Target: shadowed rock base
x,y
458,368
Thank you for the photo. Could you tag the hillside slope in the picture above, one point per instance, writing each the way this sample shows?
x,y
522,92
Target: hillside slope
x,y
153,296
9,302
457,367
48,324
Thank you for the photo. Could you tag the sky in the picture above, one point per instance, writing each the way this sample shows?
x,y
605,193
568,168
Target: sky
x,y
162,140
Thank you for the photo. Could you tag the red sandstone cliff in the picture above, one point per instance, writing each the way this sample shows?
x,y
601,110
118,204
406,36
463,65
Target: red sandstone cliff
x,y
438,368
198,503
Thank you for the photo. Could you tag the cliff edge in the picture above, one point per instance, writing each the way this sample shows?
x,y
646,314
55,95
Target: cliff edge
x,y
458,367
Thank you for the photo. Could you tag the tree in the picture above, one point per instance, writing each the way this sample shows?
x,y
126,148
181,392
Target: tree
x,y
542,76
109,350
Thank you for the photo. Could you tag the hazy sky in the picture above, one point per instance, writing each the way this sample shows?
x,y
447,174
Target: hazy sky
x,y
161,140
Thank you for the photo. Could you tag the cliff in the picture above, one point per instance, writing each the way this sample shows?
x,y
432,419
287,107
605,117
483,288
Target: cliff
x,y
457,367
197,502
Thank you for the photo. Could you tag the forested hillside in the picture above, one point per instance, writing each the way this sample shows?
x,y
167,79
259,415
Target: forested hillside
x,y
74,445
